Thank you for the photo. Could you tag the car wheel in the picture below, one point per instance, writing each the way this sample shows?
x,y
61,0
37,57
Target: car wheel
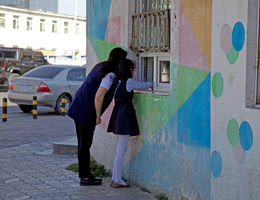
x,y
59,104
26,108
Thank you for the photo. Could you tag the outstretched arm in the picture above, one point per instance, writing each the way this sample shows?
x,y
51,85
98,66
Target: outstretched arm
x,y
99,98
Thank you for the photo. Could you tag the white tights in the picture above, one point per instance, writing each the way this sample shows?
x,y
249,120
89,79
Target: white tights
x,y
122,141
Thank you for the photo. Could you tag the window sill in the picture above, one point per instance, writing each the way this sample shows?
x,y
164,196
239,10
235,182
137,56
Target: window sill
x,y
158,93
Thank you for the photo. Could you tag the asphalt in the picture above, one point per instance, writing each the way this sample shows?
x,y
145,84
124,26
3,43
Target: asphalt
x,y
29,170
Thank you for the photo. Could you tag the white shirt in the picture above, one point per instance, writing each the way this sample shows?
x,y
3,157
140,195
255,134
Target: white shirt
x,y
108,80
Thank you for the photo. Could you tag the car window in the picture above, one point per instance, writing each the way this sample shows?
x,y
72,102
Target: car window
x,y
26,56
8,54
38,57
76,75
43,72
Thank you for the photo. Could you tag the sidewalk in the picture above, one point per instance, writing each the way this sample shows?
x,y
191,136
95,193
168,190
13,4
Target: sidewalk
x,y
26,174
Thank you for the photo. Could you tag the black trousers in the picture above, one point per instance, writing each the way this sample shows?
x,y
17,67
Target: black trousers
x,y
85,138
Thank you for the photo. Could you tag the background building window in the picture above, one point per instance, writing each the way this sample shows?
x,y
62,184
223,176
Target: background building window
x,y
77,29
42,25
66,27
29,24
15,22
54,26
2,20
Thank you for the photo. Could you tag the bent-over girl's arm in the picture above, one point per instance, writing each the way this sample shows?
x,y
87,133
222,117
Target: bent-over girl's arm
x,y
99,98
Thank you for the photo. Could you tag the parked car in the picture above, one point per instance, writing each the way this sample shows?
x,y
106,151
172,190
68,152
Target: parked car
x,y
50,83
17,61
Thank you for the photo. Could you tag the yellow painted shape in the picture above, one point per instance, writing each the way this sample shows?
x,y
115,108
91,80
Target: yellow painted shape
x,y
199,14
4,104
4,116
63,100
34,102
35,112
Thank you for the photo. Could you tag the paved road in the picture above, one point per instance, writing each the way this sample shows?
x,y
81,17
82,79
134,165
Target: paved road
x,y
28,172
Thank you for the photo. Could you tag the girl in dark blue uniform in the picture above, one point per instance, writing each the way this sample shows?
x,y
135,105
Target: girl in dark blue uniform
x,y
123,121
82,111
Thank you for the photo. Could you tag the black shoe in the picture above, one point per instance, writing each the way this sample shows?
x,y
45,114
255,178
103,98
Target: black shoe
x,y
89,181
96,179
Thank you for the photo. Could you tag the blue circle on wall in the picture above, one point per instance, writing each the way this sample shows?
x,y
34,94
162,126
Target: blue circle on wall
x,y
246,135
216,164
238,36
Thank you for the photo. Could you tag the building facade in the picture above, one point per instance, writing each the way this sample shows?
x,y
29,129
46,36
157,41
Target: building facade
x,y
56,35
45,5
200,130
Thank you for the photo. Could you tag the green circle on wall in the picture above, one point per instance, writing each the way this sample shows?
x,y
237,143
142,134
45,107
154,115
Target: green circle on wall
x,y
233,132
232,55
217,84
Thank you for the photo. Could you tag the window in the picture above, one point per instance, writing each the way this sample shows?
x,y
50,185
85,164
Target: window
x,y
8,54
54,26
151,41
2,20
29,24
42,25
150,24
77,75
44,72
77,29
155,67
37,57
66,27
15,22
26,56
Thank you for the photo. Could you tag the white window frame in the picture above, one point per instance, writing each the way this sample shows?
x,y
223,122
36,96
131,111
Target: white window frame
x,y
16,22
54,26
2,20
42,25
159,88
66,27
77,29
29,24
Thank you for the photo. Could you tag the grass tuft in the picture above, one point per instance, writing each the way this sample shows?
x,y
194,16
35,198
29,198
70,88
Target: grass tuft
x,y
161,196
144,189
95,168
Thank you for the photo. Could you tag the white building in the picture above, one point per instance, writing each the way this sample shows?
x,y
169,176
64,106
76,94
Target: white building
x,y
56,35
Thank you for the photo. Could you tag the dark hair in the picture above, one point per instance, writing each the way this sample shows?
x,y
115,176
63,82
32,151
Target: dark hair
x,y
124,69
114,58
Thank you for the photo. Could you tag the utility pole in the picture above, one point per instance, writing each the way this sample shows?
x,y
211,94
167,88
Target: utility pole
x,y
75,26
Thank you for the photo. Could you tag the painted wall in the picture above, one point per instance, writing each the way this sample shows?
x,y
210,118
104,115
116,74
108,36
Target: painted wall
x,y
173,152
235,128
201,141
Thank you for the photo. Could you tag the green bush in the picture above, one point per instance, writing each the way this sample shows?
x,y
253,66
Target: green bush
x,y
95,168
73,167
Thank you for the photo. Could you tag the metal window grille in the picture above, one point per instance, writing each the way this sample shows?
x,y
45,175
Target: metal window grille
x,y
151,26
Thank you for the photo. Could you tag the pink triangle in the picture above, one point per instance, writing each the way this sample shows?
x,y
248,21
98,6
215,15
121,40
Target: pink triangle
x,y
113,30
190,53
106,115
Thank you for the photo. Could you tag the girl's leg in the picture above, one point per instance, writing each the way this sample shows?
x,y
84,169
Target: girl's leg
x,y
122,141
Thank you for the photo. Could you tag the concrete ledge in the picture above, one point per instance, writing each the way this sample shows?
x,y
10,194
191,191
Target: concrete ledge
x,y
66,147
